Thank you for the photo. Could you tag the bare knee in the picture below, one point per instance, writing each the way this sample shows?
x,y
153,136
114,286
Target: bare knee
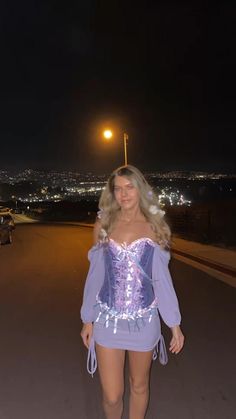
x,y
112,400
139,387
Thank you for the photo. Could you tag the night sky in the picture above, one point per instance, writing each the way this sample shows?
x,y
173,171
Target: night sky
x,y
163,71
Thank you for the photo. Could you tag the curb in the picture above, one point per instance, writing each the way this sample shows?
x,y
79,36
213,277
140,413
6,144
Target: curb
x,y
223,269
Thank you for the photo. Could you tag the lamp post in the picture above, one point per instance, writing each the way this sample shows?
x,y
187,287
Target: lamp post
x,y
125,147
108,135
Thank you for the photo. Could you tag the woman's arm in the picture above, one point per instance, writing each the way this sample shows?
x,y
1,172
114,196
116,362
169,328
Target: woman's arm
x,y
177,341
167,301
94,278
93,283
92,286
96,231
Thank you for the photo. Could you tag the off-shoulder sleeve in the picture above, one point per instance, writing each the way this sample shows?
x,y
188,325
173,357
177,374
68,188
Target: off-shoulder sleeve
x,y
93,283
167,302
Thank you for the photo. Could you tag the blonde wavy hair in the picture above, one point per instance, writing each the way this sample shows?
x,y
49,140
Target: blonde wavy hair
x,y
148,202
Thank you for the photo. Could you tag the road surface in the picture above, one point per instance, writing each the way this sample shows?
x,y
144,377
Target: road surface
x,y
43,363
22,218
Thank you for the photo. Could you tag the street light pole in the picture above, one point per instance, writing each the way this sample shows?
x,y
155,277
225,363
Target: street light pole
x,y
108,135
125,147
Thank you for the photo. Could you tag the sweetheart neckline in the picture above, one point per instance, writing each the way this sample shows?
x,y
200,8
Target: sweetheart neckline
x,y
124,244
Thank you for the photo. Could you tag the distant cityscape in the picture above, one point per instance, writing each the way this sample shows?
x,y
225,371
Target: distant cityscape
x,y
173,188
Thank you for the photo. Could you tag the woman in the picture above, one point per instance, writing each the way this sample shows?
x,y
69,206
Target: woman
x,y
127,286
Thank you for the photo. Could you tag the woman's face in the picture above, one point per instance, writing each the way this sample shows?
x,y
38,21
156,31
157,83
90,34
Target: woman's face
x,y
126,194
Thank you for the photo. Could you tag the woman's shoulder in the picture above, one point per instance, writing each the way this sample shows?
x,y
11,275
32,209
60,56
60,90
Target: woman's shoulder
x,y
95,252
161,252
96,230
99,234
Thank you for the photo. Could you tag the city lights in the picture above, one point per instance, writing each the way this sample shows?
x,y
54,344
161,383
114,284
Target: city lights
x,y
172,188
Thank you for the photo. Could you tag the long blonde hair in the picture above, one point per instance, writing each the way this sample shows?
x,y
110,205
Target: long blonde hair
x,y
148,202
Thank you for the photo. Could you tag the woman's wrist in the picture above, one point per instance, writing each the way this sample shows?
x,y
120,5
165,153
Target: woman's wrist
x,y
176,327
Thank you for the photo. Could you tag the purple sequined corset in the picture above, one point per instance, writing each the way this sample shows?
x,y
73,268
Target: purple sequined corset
x,y
127,291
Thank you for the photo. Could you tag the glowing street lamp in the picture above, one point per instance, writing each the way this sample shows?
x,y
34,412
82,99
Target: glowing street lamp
x,y
108,135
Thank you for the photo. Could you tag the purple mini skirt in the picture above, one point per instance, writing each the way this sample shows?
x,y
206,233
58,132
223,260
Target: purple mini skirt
x,y
145,337
142,338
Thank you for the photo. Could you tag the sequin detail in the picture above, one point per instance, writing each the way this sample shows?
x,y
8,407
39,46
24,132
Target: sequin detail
x,y
128,286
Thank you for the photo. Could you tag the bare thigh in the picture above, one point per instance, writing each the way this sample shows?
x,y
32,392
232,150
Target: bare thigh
x,y
139,367
111,371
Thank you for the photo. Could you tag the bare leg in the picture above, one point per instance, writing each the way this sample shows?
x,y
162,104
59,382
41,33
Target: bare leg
x,y
139,371
111,371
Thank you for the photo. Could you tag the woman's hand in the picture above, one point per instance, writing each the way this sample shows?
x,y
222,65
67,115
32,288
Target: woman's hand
x,y
86,333
177,341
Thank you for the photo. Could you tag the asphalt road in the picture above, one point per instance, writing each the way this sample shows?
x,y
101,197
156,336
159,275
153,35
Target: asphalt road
x,y
22,218
43,363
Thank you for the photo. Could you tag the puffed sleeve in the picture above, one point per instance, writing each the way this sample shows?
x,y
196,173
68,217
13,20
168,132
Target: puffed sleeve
x,y
93,283
167,302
